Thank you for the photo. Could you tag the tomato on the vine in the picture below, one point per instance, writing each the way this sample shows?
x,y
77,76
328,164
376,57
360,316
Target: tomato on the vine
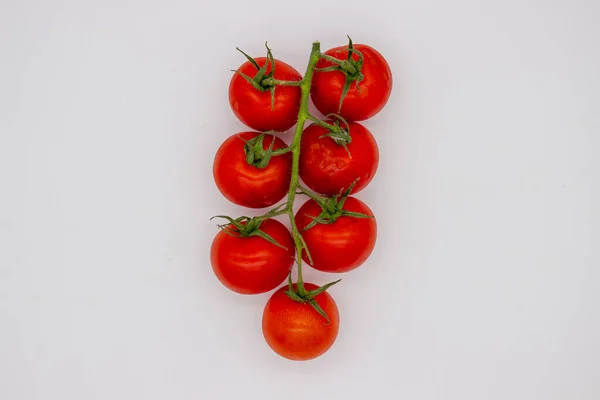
x,y
328,167
252,264
342,245
295,330
245,184
360,102
334,157
255,108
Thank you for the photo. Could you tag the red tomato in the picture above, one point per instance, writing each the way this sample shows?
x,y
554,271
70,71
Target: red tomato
x,y
253,107
252,265
245,184
342,245
326,167
295,330
358,105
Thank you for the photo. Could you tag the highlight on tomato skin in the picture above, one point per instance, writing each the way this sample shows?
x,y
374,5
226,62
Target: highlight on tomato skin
x,y
341,246
328,167
246,185
255,108
360,103
295,330
253,265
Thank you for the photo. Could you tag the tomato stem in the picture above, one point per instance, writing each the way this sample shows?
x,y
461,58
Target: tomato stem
x,y
281,151
316,197
323,124
267,82
276,211
303,115
343,64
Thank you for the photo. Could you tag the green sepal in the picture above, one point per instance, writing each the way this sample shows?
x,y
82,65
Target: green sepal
x,y
256,154
356,215
246,227
251,81
291,293
316,292
261,73
305,249
272,90
313,303
356,77
332,208
309,297
267,237
352,69
250,59
319,219
340,135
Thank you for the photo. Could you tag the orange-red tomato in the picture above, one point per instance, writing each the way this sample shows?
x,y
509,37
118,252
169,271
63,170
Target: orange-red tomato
x,y
245,184
295,330
359,104
254,107
342,245
252,265
327,168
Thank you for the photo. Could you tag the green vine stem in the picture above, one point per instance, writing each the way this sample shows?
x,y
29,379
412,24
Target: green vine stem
x,y
303,115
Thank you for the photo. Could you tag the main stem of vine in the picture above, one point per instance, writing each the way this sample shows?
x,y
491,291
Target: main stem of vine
x,y
303,115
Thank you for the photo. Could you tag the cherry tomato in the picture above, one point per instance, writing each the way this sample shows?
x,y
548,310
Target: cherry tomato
x,y
245,184
252,265
359,104
295,330
340,246
254,108
327,168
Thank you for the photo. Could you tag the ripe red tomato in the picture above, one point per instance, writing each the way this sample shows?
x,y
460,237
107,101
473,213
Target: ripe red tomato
x,y
245,184
325,165
252,265
253,107
295,330
340,246
358,105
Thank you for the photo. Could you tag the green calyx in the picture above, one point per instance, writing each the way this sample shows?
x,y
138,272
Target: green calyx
x,y
352,69
246,227
332,207
303,296
340,134
262,80
256,154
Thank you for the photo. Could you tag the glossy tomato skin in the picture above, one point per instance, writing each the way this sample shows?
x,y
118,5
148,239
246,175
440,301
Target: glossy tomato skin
x,y
342,245
295,330
326,167
358,105
245,184
253,107
252,265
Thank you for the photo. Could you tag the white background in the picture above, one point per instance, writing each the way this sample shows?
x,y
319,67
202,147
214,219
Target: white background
x,y
485,281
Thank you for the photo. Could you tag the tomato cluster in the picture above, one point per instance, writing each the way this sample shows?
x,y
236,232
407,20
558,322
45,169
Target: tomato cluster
x,y
334,156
